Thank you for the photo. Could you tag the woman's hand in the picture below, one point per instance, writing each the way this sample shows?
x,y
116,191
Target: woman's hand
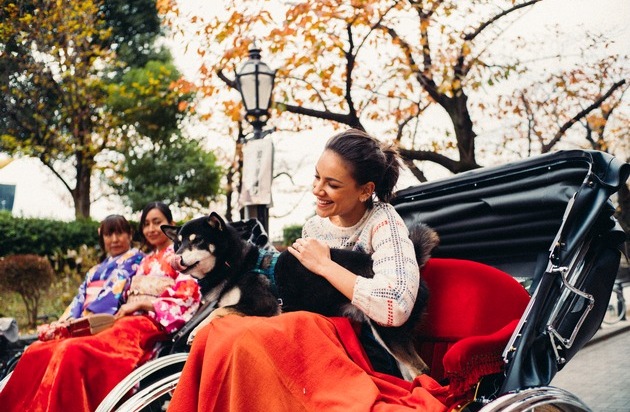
x,y
312,253
130,308
315,256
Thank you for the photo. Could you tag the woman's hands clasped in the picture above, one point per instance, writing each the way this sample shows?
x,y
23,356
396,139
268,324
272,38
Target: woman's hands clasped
x,y
312,253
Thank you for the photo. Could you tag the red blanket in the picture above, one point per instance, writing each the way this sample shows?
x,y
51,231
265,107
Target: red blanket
x,y
293,362
75,374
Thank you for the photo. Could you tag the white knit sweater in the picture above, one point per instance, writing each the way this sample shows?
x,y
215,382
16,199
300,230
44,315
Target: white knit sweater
x,y
389,296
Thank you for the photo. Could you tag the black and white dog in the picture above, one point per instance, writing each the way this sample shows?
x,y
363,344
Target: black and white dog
x,y
246,279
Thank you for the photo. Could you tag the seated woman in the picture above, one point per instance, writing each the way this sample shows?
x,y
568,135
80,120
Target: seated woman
x,y
303,361
163,294
105,283
75,374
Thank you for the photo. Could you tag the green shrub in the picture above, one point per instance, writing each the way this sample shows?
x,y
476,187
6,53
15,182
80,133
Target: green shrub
x,y
71,248
44,237
29,276
291,233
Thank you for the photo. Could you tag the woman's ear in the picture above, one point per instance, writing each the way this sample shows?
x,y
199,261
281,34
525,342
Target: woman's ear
x,y
367,191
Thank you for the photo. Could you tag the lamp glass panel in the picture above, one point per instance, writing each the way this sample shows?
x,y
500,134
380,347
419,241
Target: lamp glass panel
x,y
265,85
248,90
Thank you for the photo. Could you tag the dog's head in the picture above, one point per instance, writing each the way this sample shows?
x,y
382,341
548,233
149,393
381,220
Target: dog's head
x,y
198,244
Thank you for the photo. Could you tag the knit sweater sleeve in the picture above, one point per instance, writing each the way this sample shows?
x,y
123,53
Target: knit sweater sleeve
x,y
389,296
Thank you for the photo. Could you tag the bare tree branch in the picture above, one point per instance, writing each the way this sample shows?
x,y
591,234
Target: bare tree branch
x,y
342,118
451,165
567,125
418,174
491,21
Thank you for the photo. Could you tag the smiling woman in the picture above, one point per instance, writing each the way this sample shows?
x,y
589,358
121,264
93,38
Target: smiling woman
x,y
354,181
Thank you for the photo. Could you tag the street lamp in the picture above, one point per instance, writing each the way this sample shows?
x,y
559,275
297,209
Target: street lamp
x,y
255,83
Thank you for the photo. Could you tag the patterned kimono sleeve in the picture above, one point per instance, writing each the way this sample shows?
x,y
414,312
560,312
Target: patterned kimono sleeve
x,y
109,298
177,304
73,311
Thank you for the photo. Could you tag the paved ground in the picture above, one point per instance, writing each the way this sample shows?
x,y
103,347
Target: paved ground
x,y
600,373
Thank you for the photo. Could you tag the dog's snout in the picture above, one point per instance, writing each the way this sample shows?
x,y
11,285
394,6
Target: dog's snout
x,y
177,263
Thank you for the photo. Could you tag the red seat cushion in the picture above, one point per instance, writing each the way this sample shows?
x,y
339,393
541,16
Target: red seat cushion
x,y
467,299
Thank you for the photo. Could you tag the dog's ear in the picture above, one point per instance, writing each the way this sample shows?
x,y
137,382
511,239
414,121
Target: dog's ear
x,y
216,221
170,231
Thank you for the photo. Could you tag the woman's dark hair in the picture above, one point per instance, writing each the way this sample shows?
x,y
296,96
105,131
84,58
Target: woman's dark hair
x,y
369,161
112,224
162,207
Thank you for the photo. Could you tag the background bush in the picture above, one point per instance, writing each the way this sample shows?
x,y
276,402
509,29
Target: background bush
x,y
28,276
44,237
71,248
290,233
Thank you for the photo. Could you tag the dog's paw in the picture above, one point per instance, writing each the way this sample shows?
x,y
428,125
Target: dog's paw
x,y
197,328
220,312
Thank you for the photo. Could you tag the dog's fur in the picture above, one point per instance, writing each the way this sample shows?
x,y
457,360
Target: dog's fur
x,y
214,252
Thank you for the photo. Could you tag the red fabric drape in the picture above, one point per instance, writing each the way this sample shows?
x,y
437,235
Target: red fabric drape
x,y
293,362
75,374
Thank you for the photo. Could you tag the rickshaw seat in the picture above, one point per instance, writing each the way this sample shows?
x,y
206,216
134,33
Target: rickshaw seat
x,y
472,311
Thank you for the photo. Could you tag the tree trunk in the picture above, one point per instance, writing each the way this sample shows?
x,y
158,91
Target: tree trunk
x,y
457,109
81,191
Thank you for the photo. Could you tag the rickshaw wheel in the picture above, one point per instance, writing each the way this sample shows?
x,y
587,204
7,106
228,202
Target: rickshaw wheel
x,y
542,399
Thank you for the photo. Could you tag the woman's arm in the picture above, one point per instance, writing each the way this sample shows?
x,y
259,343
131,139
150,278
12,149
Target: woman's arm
x,y
75,308
177,304
390,295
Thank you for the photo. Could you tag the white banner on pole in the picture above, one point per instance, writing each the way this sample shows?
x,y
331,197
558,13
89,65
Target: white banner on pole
x,y
257,172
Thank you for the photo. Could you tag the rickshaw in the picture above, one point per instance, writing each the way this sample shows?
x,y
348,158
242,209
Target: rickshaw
x,y
519,283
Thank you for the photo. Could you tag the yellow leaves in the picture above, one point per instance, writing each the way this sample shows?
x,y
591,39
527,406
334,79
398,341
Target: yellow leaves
x,y
424,25
596,122
165,6
183,86
232,110
466,49
336,90
446,88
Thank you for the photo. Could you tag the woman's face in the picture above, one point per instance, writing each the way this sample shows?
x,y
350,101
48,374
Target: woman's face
x,y
117,243
151,229
339,197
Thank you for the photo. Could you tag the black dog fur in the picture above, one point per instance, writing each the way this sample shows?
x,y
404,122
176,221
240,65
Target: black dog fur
x,y
215,253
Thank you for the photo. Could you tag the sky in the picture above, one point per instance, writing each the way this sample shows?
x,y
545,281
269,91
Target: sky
x,y
40,194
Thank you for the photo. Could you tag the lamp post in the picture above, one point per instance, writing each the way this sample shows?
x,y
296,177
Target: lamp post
x,y
255,83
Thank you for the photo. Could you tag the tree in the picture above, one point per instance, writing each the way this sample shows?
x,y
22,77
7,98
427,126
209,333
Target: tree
x,y
180,173
582,99
134,27
387,65
159,163
66,69
51,88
